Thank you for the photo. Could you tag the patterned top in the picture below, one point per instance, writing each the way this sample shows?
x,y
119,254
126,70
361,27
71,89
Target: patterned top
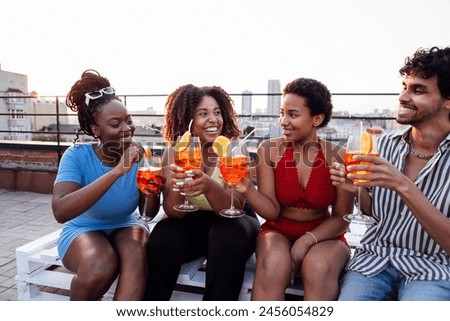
x,y
398,238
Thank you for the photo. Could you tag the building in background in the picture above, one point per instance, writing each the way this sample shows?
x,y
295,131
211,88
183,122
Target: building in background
x,y
273,97
28,116
44,111
16,125
246,102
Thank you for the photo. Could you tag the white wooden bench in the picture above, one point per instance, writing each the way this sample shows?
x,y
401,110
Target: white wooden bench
x,y
41,276
36,264
39,269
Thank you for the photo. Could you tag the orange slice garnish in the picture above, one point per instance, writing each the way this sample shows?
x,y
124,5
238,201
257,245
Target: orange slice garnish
x,y
147,152
220,146
366,143
183,142
374,131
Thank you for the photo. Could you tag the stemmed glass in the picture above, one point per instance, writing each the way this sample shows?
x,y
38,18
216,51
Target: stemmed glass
x,y
149,179
188,157
233,167
356,146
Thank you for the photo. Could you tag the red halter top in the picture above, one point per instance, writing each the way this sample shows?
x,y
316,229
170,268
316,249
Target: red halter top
x,y
319,192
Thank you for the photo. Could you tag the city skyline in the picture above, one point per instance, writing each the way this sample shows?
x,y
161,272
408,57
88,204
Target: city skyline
x,y
267,102
34,118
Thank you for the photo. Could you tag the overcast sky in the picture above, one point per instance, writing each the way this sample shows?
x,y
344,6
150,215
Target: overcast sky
x,y
154,46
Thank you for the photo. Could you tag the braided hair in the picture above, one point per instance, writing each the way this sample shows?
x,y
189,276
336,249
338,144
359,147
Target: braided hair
x,y
90,81
180,108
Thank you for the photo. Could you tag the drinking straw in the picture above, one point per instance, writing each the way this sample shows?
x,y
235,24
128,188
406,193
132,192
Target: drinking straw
x,y
243,140
146,160
189,126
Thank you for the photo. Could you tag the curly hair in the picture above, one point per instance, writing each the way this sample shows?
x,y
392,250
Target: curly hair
x,y
426,63
316,94
181,105
90,81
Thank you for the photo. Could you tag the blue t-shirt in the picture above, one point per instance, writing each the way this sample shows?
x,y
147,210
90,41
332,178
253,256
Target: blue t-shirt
x,y
117,208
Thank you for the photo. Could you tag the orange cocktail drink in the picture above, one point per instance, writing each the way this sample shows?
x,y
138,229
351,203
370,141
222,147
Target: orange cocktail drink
x,y
188,159
349,160
233,169
365,146
147,177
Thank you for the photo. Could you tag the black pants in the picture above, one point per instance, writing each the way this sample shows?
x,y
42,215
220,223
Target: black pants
x,y
226,243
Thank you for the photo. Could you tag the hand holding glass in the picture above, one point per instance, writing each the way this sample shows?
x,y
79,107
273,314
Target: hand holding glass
x,y
188,157
149,181
233,168
355,146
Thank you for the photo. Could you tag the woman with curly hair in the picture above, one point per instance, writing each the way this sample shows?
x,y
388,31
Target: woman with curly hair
x,y
96,196
300,237
184,236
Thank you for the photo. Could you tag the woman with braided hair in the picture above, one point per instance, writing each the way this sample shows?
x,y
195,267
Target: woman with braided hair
x,y
95,195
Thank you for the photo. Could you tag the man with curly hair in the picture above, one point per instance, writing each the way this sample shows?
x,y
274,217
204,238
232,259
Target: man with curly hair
x,y
405,254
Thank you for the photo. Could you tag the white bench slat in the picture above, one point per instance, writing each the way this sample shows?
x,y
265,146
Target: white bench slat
x,y
39,243
50,255
197,280
188,270
46,296
54,279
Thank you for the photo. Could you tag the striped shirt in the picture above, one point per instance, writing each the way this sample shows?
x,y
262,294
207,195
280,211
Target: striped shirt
x,y
397,238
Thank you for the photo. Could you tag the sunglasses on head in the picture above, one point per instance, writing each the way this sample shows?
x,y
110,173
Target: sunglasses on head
x,y
99,93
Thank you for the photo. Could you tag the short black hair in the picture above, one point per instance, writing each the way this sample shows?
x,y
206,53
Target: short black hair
x,y
316,94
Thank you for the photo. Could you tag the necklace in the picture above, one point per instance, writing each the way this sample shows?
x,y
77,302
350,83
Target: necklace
x,y
416,154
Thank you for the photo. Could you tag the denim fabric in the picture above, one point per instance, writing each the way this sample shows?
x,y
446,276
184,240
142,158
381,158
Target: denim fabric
x,y
389,285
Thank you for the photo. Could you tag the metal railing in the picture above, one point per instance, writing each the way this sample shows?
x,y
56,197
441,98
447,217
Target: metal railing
x,y
58,135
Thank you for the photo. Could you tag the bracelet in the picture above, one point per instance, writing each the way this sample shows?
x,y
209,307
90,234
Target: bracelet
x,y
313,236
